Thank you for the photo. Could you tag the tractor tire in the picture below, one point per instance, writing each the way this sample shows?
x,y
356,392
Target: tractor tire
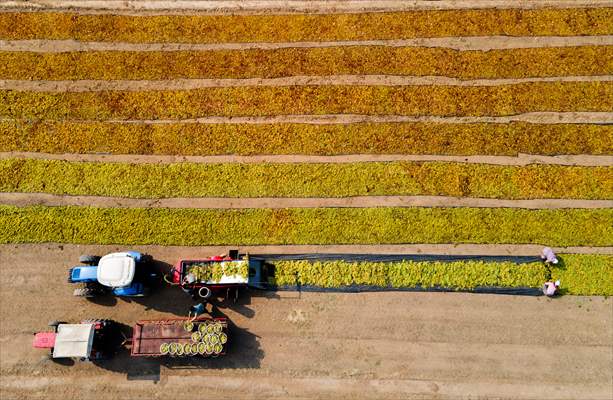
x,y
54,324
89,260
84,292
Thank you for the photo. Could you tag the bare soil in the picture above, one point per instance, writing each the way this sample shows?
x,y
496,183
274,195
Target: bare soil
x,y
167,7
483,43
521,159
350,80
50,200
310,345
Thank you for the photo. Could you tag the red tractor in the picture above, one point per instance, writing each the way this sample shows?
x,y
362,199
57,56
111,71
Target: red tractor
x,y
89,340
94,340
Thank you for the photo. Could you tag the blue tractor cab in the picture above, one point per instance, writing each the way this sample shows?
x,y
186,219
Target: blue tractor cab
x,y
128,273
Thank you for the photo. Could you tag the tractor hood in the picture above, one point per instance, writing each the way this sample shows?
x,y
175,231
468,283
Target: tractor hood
x,y
116,270
73,340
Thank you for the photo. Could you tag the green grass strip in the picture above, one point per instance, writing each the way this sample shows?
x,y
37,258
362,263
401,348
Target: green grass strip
x,y
197,139
309,27
579,274
562,227
284,100
305,179
267,63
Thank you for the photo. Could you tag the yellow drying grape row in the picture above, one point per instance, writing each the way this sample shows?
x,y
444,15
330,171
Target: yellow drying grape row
x,y
200,139
580,274
327,99
275,63
131,226
305,179
305,27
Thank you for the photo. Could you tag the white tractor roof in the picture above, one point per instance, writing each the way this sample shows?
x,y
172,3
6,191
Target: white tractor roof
x,y
116,270
73,340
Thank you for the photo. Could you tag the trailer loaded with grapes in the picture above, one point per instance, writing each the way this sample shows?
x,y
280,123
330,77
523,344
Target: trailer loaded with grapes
x,y
180,337
225,274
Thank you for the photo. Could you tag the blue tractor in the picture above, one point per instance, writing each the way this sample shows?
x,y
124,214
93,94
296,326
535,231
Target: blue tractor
x,y
128,273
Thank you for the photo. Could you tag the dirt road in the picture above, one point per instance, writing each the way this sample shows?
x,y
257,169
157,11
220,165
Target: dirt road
x,y
376,345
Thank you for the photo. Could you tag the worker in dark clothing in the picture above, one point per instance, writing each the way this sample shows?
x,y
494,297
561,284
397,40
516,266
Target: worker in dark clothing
x,y
197,310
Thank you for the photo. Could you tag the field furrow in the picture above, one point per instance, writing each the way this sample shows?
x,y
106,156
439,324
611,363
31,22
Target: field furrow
x,y
259,63
52,200
467,43
333,80
305,180
265,137
568,227
307,27
269,100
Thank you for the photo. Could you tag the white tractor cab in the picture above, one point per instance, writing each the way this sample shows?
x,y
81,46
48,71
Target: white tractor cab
x,y
88,341
128,273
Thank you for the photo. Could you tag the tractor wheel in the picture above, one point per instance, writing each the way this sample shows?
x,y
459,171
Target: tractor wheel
x,y
55,324
89,260
84,292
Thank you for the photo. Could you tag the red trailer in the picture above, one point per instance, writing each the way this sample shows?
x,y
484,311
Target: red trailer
x,y
180,337
204,276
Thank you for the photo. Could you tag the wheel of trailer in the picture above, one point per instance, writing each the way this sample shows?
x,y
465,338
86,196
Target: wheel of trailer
x,y
84,292
89,260
55,324
205,292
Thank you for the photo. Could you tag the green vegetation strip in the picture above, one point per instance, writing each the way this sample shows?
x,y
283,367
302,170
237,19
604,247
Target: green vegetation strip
x,y
562,227
579,274
305,179
265,63
284,100
300,27
197,139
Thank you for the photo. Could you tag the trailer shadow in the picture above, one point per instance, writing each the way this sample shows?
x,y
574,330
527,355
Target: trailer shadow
x,y
243,352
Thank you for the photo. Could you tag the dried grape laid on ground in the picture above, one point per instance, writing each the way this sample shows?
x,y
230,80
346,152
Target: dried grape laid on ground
x,y
559,227
326,61
305,179
301,27
579,274
436,100
201,139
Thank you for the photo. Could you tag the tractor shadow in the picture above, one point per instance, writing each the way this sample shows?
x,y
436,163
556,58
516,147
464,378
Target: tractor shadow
x,y
174,301
243,352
